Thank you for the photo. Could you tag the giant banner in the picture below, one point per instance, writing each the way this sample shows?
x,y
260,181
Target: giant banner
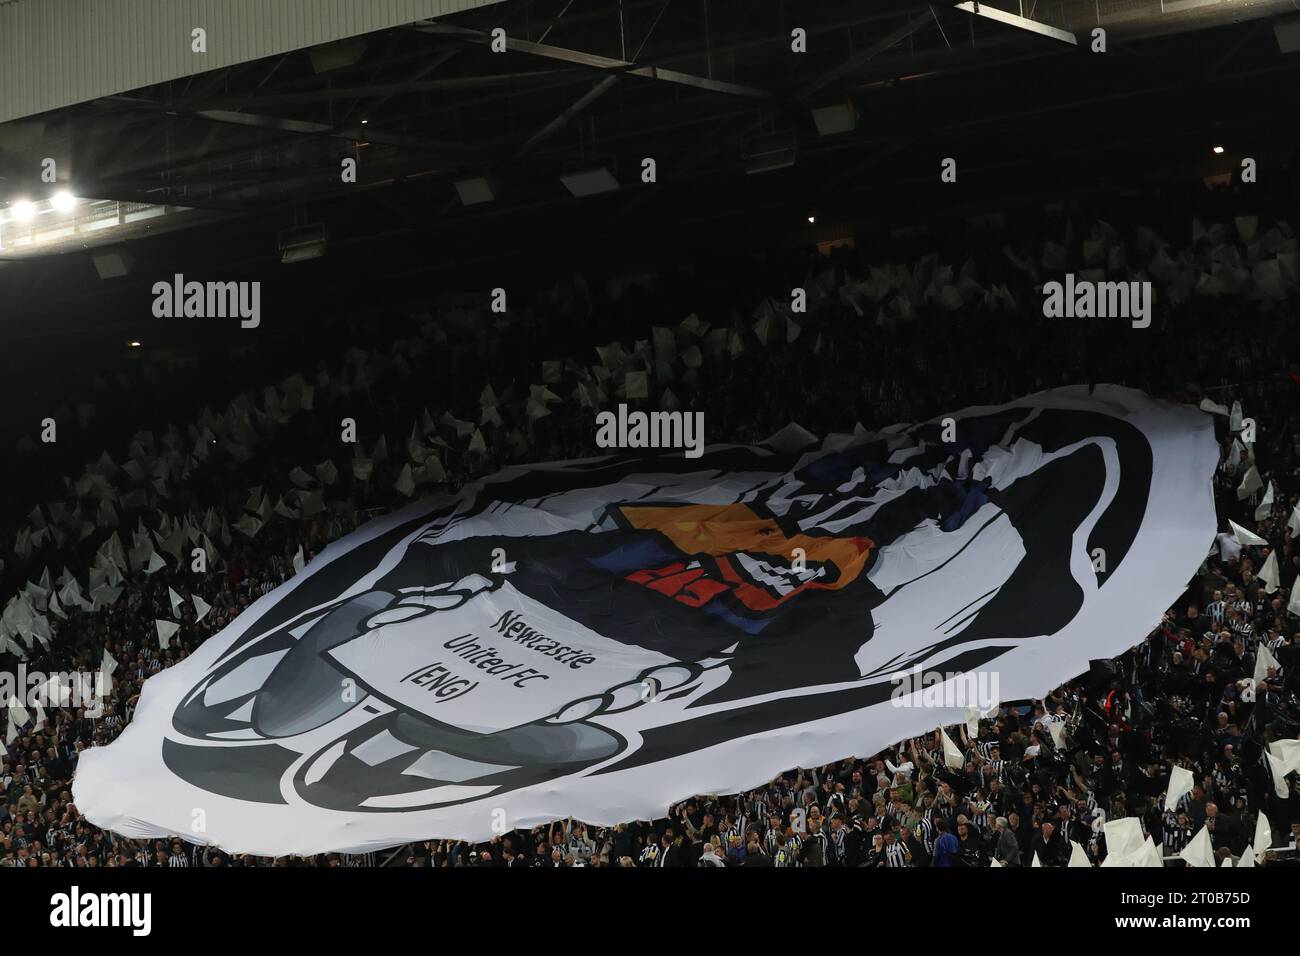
x,y
601,638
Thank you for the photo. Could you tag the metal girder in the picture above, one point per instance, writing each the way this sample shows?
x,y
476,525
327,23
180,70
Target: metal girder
x,y
351,132
386,90
593,94
420,73
871,52
597,62
1015,20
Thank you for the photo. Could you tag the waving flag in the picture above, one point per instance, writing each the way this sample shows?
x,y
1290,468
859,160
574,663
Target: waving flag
x,y
601,638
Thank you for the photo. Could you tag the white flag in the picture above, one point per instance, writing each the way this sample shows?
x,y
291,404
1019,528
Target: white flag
x,y
298,562
1057,729
405,483
17,712
1268,574
249,525
1181,782
1150,855
1287,752
1278,773
1250,483
951,755
1123,838
1264,659
165,631
1265,504
201,608
1229,547
1263,836
1200,851
1244,537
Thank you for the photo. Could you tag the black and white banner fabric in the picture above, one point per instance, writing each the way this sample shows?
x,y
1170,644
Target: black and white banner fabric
x,y
600,638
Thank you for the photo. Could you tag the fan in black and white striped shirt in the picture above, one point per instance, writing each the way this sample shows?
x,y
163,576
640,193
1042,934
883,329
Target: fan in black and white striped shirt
x,y
925,831
896,854
1178,835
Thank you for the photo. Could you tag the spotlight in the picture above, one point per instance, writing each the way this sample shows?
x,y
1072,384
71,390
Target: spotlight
x,y
1218,149
22,210
838,117
63,201
812,219
303,242
134,343
588,180
478,189
112,262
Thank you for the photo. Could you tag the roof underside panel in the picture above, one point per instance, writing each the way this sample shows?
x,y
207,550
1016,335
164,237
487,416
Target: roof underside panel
x,y
55,53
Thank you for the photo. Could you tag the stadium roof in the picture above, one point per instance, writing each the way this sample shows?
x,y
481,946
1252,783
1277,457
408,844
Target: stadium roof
x,y
205,171
56,53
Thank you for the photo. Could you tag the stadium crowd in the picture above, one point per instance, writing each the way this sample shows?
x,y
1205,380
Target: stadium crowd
x,y
264,483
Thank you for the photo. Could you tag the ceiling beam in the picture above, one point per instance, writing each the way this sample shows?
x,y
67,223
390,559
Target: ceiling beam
x,y
865,56
1015,20
385,90
351,133
596,62
555,125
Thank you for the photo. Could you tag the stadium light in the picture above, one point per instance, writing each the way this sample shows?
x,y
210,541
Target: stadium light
x,y
839,117
1218,149
303,243
80,222
589,180
113,262
475,190
134,344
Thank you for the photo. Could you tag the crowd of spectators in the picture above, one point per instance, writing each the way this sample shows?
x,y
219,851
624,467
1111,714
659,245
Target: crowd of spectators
x,y
879,343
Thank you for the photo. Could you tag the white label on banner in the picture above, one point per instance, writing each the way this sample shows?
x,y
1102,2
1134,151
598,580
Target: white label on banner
x,y
497,661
